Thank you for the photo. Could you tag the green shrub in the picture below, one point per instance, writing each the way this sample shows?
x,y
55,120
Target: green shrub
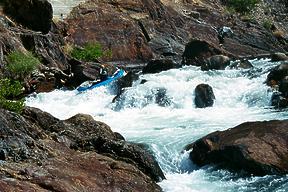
x,y
242,6
267,24
10,90
19,64
90,52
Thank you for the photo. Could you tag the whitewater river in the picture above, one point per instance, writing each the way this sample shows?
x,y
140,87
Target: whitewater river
x,y
240,97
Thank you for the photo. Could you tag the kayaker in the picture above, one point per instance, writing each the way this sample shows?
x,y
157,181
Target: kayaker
x,y
103,73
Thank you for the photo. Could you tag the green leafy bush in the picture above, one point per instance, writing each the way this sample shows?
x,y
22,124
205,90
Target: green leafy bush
x,y
90,52
242,6
267,24
9,91
19,64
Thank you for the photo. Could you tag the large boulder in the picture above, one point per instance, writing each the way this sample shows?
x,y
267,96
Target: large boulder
x,y
216,62
277,74
39,151
278,57
204,96
257,147
196,52
158,65
33,14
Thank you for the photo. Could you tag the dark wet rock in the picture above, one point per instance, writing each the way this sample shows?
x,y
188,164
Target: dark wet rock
x,y
125,81
259,148
121,84
87,71
196,52
135,155
37,149
33,14
277,74
279,57
279,101
156,66
161,97
204,96
241,64
143,81
216,62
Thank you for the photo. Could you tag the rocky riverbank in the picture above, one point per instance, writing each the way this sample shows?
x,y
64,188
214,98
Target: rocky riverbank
x,y
39,152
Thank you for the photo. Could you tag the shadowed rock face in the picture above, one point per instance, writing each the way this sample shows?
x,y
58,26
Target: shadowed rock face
x,y
257,147
40,152
33,14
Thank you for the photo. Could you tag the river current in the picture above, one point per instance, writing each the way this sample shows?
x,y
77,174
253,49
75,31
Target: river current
x,y
241,96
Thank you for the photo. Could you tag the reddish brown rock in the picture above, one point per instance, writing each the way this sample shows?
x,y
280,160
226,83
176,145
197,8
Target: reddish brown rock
x,y
257,147
139,30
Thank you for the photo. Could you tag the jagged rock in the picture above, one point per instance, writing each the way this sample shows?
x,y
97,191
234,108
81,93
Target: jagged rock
x,y
38,153
156,66
217,62
204,96
33,14
278,57
257,147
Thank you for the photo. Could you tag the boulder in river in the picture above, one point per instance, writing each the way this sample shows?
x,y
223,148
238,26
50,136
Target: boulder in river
x,y
40,152
241,64
204,96
278,57
158,65
257,147
216,62
196,51
277,74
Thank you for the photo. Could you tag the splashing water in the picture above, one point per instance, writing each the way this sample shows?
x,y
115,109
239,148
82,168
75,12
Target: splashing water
x,y
167,130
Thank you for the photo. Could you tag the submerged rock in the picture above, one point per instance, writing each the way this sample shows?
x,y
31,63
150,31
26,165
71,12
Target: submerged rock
x,y
241,64
204,96
37,148
259,148
161,97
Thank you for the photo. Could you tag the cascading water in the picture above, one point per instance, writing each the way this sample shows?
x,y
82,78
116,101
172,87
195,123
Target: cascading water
x,y
240,97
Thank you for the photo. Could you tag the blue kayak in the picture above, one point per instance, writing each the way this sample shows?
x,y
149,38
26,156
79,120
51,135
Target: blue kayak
x,y
88,85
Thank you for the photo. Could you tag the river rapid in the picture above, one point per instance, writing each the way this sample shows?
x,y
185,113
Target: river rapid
x,y
241,96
